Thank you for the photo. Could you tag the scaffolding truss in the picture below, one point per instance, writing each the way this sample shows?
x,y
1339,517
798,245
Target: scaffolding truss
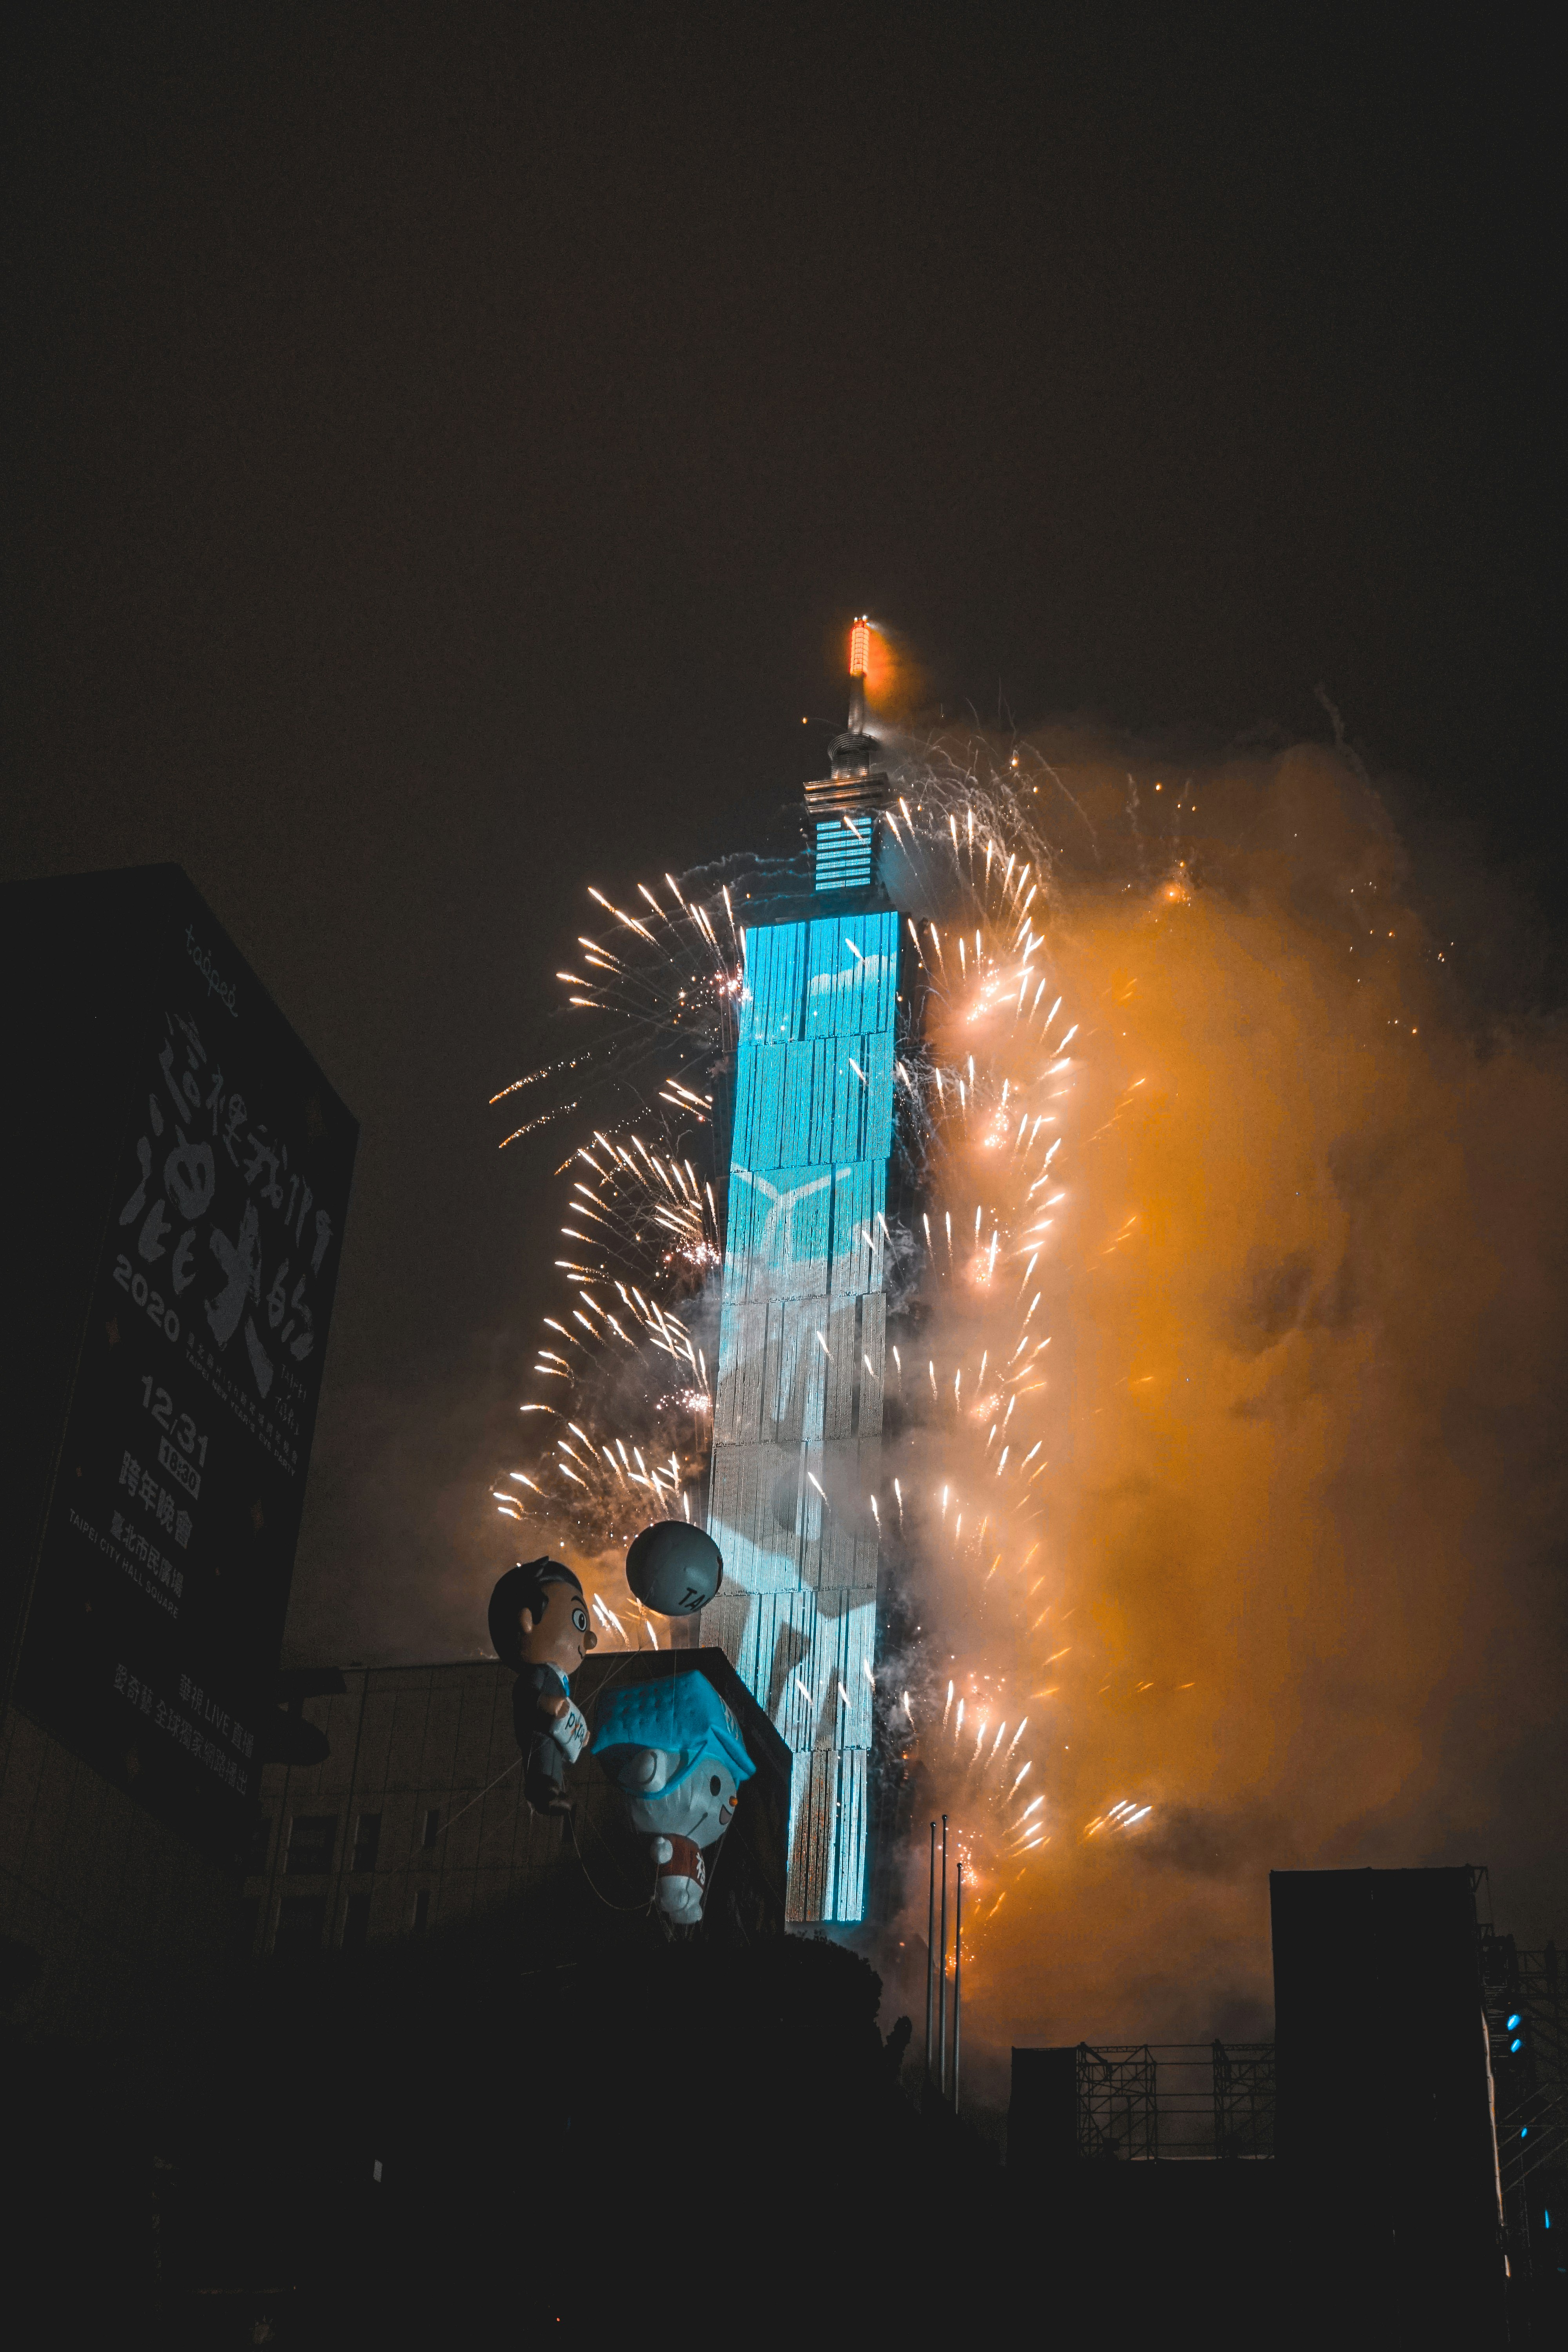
x,y
1526,1999
1118,2109
1145,2102
1243,2101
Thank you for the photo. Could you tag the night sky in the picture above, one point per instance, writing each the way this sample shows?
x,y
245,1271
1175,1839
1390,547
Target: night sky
x,y
449,445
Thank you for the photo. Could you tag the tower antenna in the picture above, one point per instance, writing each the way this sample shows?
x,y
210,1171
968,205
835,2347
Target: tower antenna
x,y
859,654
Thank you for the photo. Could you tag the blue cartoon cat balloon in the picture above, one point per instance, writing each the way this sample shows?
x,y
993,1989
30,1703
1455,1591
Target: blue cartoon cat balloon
x,y
675,1751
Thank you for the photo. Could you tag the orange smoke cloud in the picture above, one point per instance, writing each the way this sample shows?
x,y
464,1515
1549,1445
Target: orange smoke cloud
x,y
1304,1292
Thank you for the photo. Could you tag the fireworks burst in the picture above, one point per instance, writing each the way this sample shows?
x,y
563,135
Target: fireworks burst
x,y
988,1104
1007,1085
624,1368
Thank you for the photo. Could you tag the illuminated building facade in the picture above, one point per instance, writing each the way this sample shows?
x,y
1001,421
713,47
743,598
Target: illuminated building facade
x,y
798,1411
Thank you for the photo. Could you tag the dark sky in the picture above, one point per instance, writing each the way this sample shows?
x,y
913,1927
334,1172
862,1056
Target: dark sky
x,y
449,443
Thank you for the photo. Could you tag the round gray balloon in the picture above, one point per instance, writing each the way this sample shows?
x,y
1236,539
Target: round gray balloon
x,y
673,1567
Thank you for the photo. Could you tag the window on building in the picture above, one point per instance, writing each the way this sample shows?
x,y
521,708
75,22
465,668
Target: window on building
x,y
258,1847
367,1841
302,1918
311,1837
432,1824
422,1910
356,1923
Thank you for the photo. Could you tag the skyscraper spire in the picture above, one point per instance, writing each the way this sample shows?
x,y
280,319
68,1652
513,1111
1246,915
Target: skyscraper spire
x,y
859,654
845,803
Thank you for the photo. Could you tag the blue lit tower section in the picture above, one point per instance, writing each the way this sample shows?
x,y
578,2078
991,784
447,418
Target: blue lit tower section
x,y
799,1410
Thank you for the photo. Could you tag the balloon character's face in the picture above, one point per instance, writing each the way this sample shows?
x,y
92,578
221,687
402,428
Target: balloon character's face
x,y
561,1634
700,1807
674,1750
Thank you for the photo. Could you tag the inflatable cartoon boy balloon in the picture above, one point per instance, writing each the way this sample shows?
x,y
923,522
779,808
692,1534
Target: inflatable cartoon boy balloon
x,y
674,1751
539,1627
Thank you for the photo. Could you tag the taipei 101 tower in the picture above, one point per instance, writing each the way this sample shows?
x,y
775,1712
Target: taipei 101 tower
x,y
799,1410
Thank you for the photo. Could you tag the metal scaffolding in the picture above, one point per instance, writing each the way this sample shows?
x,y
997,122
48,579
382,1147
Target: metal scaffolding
x,y
1243,2100
1118,2112
1169,2100
1526,1998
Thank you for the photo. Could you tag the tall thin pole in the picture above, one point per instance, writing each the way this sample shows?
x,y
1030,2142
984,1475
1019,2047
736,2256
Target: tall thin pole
x,y
931,1948
957,1982
941,1974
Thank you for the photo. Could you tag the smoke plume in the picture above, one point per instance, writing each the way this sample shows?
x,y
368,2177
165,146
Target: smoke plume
x,y
1294,1597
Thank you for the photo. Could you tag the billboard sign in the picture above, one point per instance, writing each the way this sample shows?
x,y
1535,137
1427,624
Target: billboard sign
x,y
218,1164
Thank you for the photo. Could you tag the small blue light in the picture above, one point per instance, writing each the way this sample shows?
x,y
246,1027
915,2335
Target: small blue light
x,y
1516,2043
1525,2131
1513,2020
1545,2219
